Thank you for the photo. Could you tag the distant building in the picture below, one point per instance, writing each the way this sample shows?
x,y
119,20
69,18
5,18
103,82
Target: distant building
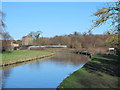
x,y
112,51
5,45
14,44
27,40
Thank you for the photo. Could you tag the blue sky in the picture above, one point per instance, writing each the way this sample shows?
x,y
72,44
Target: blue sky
x,y
52,18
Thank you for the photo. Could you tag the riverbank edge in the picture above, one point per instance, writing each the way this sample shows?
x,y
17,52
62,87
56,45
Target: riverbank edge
x,y
26,60
83,69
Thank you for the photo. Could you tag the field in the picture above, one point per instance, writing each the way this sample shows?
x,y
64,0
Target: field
x,y
14,56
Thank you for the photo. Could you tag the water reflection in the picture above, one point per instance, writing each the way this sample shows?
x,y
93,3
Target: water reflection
x,y
46,73
0,80
63,59
5,75
70,58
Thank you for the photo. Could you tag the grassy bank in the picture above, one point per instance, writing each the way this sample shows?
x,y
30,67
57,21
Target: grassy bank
x,y
22,55
100,72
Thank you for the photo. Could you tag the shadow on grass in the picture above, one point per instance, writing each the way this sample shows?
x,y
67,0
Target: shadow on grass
x,y
109,56
108,64
100,72
7,52
104,61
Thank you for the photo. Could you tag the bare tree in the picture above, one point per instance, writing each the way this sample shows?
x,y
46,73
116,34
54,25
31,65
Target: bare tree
x,y
5,38
111,14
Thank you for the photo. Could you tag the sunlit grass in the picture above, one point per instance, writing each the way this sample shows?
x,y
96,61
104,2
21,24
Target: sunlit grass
x,y
22,54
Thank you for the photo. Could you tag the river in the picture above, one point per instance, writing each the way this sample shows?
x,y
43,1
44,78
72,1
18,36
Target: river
x,y
47,73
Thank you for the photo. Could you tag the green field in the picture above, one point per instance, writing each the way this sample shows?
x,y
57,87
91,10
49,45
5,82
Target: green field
x,y
21,54
100,72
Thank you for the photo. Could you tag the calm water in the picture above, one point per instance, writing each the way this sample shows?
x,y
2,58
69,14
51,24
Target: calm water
x,y
47,73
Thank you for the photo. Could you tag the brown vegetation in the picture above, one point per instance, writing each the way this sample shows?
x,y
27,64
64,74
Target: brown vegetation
x,y
91,43
75,41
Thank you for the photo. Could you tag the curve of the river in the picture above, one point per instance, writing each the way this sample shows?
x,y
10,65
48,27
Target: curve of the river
x,y
47,73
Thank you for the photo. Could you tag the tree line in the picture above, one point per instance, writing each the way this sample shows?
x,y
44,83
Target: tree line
x,y
74,41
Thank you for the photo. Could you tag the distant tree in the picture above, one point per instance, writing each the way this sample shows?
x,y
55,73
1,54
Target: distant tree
x,y
109,32
76,33
7,39
84,33
110,14
113,41
36,34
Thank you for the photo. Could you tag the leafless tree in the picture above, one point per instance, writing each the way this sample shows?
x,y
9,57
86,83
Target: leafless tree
x,y
5,38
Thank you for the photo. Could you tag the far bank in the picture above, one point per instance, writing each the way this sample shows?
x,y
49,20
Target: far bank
x,y
20,56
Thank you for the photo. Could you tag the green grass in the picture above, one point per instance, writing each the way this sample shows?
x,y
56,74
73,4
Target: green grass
x,y
22,54
94,61
95,74
106,57
84,79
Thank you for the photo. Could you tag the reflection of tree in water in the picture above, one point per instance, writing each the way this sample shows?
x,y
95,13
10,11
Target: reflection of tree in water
x,y
0,80
36,64
5,74
74,59
62,59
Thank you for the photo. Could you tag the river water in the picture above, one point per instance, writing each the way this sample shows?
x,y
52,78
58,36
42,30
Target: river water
x,y
47,73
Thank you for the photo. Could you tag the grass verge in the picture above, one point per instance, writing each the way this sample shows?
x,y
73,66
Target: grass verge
x,y
100,72
22,55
